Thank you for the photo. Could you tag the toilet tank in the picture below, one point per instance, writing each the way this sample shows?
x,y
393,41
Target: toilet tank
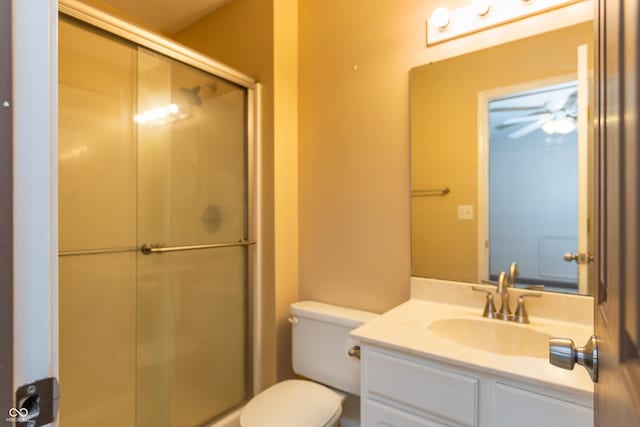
x,y
320,342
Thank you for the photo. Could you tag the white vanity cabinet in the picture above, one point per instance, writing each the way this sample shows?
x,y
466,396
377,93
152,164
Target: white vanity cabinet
x,y
403,390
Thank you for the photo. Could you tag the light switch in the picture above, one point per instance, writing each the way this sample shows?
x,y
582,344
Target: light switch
x,y
465,212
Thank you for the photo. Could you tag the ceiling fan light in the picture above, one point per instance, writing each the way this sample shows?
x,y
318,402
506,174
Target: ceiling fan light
x,y
549,127
562,126
565,125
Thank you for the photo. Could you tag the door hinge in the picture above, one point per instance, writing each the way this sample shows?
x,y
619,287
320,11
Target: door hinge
x,y
36,403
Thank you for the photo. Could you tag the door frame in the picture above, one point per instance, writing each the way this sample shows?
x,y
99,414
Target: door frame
x,y
484,98
6,212
35,283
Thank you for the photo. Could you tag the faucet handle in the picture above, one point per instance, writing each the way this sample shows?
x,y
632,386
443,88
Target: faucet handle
x,y
489,308
521,315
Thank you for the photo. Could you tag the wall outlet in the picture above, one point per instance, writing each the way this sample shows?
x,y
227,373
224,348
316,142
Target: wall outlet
x,y
465,212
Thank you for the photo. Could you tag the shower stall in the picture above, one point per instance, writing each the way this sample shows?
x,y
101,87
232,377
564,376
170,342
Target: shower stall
x,y
156,229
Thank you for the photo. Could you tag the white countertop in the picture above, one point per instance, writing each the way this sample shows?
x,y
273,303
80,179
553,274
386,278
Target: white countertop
x,y
405,328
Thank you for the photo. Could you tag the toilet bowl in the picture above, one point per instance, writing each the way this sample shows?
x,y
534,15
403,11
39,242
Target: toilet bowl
x,y
293,403
320,344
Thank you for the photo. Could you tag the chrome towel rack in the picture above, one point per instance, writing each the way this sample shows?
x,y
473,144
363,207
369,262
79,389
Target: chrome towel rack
x,y
431,192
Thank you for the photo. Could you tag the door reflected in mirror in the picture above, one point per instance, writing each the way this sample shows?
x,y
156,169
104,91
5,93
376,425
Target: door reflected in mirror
x,y
506,131
533,184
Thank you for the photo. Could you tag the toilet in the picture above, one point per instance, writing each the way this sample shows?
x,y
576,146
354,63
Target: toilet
x,y
320,346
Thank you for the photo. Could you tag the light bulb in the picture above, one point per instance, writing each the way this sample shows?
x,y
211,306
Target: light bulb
x,y
480,7
563,126
440,18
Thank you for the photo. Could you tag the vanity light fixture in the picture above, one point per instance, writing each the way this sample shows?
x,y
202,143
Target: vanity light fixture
x,y
479,15
440,18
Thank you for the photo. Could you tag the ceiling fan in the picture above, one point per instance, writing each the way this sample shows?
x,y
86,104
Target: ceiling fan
x,y
556,115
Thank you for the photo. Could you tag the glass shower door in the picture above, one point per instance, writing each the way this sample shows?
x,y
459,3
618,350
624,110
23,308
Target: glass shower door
x,y
151,151
192,300
97,228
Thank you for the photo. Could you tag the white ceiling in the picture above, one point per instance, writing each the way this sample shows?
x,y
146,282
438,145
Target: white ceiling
x,y
167,16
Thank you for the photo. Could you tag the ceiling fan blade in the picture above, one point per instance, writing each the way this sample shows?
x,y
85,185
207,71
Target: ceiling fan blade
x,y
559,104
572,110
508,125
528,129
517,108
572,102
524,119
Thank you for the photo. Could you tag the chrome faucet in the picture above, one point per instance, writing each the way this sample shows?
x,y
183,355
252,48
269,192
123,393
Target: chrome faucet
x,y
504,282
503,290
514,272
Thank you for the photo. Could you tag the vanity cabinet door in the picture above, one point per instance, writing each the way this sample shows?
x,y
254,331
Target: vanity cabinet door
x,y
401,390
517,407
379,415
430,390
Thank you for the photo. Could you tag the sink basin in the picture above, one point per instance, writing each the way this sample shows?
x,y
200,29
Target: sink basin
x,y
496,336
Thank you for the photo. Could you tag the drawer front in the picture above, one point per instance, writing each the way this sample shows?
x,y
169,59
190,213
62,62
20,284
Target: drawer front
x,y
517,407
379,415
419,387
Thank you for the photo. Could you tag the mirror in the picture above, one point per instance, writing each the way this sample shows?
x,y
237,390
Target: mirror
x,y
500,146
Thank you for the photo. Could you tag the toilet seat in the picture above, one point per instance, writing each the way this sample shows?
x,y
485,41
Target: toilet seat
x,y
293,403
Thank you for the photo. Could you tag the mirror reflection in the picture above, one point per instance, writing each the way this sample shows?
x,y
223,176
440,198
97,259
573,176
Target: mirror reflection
x,y
500,147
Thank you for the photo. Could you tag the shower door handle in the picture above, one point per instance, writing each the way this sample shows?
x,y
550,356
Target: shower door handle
x,y
149,249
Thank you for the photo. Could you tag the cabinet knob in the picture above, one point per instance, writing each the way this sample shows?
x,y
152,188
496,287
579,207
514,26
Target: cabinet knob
x,y
354,352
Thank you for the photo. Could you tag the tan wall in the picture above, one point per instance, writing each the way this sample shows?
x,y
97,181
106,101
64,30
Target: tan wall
x,y
118,13
444,101
354,149
285,14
